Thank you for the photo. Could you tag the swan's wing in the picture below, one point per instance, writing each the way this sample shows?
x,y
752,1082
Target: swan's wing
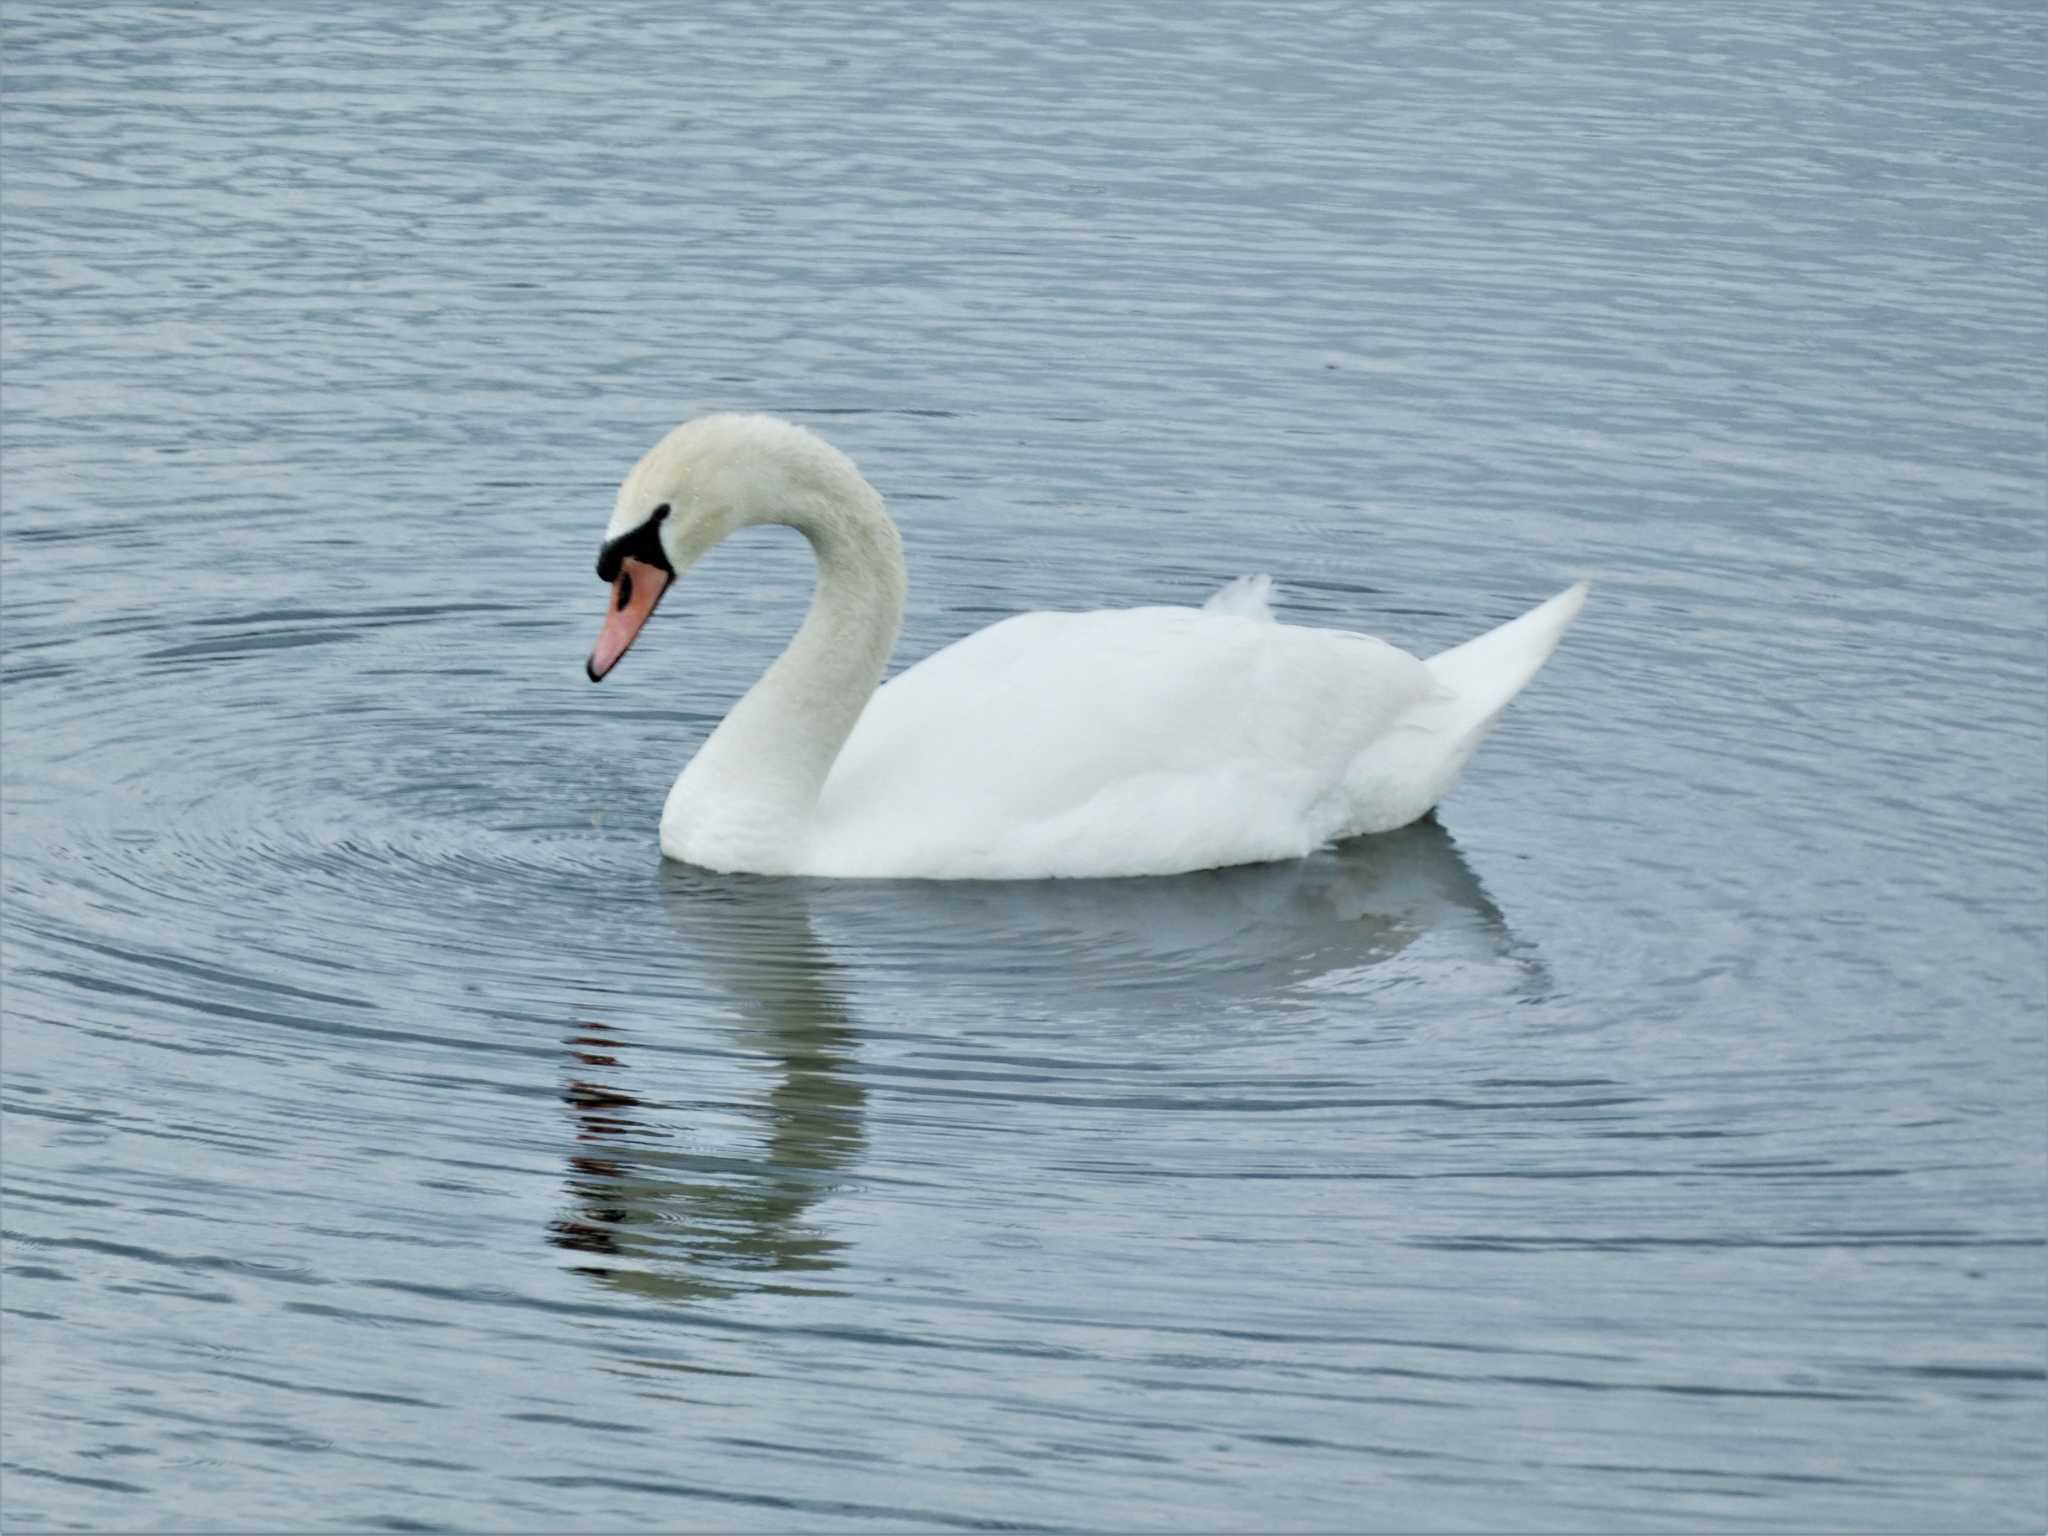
x,y
1249,597
1120,741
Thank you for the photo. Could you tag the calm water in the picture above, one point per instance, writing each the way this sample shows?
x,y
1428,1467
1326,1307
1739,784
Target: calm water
x,y
392,1141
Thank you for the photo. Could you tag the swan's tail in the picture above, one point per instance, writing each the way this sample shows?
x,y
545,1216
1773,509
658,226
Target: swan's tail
x,y
1481,675
1404,774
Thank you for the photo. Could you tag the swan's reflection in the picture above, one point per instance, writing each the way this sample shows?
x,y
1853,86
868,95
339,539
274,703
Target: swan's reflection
x,y
1249,937
656,1219
661,1221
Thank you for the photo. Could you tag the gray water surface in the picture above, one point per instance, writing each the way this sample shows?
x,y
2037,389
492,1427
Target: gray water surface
x,y
393,1141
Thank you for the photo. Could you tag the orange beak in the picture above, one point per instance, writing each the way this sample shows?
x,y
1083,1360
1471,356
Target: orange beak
x,y
635,593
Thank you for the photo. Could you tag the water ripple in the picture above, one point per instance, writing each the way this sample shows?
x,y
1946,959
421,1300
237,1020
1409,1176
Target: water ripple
x,y
393,1142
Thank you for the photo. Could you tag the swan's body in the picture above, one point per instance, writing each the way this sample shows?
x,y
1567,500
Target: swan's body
x,y
1140,741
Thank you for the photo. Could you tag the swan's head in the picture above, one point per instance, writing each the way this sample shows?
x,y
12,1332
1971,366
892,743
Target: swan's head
x,y
706,479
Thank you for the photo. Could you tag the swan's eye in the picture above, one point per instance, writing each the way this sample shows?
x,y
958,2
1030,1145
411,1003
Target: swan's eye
x,y
625,588
642,543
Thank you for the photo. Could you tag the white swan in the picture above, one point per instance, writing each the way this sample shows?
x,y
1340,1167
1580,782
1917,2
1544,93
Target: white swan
x,y
1135,741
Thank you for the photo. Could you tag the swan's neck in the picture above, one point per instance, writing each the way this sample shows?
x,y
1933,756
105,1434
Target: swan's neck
x,y
747,799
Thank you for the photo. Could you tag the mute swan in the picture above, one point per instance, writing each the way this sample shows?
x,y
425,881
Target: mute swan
x,y
1133,741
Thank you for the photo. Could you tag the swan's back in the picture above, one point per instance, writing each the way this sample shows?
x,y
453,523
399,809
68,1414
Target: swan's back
x,y
1123,741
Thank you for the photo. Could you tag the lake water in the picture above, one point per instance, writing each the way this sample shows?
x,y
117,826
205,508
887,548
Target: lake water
x,y
393,1142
